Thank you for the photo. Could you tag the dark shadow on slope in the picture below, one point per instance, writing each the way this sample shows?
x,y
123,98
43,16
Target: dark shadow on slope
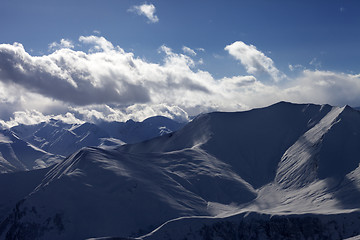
x,y
253,142
340,155
340,149
256,226
348,193
16,186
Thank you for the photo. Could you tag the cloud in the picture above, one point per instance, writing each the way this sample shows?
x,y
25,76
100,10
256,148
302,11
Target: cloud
x,y
137,112
147,10
315,62
106,74
64,43
189,51
99,43
322,87
30,117
296,67
254,61
72,76
107,83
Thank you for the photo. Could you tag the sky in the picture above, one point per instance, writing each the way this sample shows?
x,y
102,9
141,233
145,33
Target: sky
x,y
92,60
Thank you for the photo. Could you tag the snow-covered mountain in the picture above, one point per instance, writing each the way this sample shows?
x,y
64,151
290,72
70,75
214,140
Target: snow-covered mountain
x,y
16,186
134,132
18,155
61,138
64,139
288,171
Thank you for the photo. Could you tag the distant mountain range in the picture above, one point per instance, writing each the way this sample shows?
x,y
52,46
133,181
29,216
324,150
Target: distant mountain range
x,y
26,147
287,171
18,155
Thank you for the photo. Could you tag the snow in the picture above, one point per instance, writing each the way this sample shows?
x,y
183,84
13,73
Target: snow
x,y
16,186
288,171
253,225
60,138
16,154
26,147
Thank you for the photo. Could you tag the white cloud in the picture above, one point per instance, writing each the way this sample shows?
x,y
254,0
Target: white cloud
x,y
64,43
29,117
188,51
296,67
99,43
108,83
73,76
253,60
165,49
325,87
106,75
137,112
147,10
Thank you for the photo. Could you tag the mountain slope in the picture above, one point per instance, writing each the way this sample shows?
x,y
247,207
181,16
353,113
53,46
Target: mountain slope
x,y
60,138
18,155
133,132
64,139
251,142
16,186
252,225
290,170
96,192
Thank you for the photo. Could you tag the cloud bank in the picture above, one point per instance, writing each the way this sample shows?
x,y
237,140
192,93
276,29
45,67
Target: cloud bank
x,y
107,83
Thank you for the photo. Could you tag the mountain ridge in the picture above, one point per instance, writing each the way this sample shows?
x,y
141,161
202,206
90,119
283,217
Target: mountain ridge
x,y
271,167
60,139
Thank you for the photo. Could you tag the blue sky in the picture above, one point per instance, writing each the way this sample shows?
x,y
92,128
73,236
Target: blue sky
x,y
299,40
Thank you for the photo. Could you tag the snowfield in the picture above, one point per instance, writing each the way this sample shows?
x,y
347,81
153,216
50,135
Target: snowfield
x,y
287,171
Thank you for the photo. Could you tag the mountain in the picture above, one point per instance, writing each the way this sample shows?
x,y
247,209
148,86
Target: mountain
x,y
61,138
134,132
16,186
18,155
287,171
64,139
26,147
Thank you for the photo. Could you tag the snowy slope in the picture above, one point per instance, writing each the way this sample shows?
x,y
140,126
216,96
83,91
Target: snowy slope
x,y
252,142
98,193
18,155
133,132
61,138
254,225
16,186
285,171
25,147
315,193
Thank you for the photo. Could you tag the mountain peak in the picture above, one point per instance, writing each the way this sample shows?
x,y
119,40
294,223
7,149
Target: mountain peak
x,y
293,162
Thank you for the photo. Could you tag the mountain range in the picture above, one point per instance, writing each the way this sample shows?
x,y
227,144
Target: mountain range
x,y
26,147
287,171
